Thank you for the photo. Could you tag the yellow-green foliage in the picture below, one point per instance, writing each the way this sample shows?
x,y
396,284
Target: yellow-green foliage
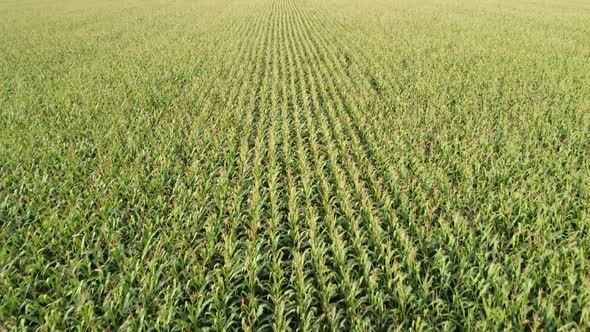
x,y
295,164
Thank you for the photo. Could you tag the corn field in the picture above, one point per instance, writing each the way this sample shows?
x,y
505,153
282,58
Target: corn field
x,y
313,165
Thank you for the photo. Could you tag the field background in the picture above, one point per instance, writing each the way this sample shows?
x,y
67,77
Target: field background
x,y
331,165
